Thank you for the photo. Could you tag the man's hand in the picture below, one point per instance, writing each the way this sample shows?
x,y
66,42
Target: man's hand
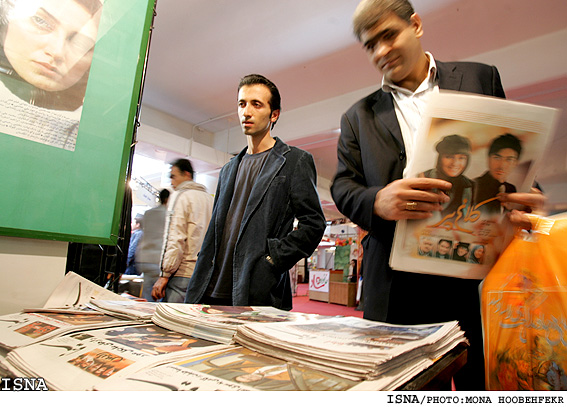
x,y
412,198
526,203
158,290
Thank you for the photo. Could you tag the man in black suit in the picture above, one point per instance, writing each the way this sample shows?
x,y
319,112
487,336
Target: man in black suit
x,y
377,136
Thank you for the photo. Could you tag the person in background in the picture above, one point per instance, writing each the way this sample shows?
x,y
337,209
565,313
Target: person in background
x,y
190,215
251,243
374,148
135,237
148,254
352,271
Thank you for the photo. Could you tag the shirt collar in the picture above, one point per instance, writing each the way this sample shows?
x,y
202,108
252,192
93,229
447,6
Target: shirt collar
x,y
430,81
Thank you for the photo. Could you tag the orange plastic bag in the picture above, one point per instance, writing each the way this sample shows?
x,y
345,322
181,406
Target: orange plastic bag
x,y
524,311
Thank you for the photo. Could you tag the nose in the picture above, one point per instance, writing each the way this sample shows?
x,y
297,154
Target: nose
x,y
381,50
55,45
246,110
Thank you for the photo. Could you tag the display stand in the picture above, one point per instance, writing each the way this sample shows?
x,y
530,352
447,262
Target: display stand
x,y
342,293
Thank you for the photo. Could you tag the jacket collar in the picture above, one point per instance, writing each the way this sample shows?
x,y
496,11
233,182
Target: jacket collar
x,y
449,78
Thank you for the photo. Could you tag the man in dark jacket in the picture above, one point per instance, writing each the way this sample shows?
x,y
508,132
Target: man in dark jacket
x,y
251,243
375,145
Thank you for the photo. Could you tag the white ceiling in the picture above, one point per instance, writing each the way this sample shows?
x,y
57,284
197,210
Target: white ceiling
x,y
201,48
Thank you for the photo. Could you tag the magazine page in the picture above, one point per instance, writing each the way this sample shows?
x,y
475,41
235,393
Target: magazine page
x,y
75,291
80,360
25,328
483,146
232,369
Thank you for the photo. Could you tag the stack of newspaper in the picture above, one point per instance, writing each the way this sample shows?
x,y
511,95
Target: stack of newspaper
x,y
81,360
385,355
219,323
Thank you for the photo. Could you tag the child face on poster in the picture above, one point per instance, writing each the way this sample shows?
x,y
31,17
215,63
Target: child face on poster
x,y
50,43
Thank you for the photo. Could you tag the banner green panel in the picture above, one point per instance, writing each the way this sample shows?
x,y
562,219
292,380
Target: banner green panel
x,y
55,184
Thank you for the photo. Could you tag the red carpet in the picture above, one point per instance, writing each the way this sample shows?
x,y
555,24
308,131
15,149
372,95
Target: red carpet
x,y
302,303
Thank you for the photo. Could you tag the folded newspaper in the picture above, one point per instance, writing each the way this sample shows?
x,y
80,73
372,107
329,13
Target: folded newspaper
x,y
234,368
354,348
25,328
219,323
81,360
485,147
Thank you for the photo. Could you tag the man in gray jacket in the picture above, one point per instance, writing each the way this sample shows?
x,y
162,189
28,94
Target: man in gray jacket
x,y
186,226
148,255
251,243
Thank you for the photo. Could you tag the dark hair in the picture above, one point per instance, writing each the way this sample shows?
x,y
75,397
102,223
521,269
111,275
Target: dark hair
x,y
256,79
506,141
369,12
454,144
463,245
184,165
164,195
445,240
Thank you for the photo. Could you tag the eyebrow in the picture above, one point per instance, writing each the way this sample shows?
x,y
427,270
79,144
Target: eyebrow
x,y
376,37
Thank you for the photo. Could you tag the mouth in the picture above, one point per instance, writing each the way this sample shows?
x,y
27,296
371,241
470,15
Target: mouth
x,y
389,64
48,69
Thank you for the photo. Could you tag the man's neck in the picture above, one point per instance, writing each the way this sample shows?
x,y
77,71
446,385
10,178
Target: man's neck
x,y
420,73
259,144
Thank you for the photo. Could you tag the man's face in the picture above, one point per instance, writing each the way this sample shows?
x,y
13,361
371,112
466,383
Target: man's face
x,y
426,245
177,176
254,110
462,251
50,43
501,163
394,48
443,247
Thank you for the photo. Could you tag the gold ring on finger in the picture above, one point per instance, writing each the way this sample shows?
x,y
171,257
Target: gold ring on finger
x,y
411,206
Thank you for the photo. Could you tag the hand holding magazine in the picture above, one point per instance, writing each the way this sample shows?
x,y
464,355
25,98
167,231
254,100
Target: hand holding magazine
x,y
484,147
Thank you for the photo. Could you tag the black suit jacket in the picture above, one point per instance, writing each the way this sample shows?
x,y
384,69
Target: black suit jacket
x,y
371,155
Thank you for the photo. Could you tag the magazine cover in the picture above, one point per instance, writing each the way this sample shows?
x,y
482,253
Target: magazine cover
x,y
484,146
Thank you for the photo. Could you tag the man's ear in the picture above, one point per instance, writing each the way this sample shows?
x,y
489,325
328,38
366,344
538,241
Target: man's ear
x,y
415,22
275,116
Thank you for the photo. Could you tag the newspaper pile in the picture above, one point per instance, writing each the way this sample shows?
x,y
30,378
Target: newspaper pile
x,y
219,323
382,354
81,360
233,368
